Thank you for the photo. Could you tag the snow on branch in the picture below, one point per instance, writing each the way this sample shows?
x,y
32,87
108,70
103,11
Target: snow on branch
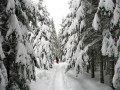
x,y
80,12
108,45
96,22
116,13
10,5
109,5
1,50
116,77
13,25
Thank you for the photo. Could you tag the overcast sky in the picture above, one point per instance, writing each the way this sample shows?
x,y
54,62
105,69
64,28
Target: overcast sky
x,y
57,9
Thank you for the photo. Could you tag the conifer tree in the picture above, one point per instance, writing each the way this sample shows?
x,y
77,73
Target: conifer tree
x,y
3,29
107,10
74,47
54,40
45,38
3,72
19,56
63,36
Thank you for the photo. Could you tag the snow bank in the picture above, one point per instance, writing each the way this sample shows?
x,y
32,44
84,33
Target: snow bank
x,y
84,82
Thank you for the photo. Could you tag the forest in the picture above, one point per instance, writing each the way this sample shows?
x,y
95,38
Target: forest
x,y
87,46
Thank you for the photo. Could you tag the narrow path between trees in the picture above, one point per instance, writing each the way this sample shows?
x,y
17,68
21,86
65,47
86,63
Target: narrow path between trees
x,y
58,82
56,79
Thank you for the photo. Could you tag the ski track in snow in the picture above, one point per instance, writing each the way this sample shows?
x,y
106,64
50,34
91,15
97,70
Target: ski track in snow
x,y
61,81
58,81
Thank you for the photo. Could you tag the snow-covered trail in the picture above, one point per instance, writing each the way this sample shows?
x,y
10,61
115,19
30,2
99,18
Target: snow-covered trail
x,y
58,82
84,83
56,79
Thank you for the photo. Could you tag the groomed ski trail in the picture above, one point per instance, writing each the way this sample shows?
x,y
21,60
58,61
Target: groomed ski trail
x,y
58,81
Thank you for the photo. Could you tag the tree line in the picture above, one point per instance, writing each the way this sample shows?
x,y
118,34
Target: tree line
x,y
27,41
89,38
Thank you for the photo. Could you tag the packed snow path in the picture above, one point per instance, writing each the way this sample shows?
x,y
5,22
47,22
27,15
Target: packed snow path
x,y
56,79
58,82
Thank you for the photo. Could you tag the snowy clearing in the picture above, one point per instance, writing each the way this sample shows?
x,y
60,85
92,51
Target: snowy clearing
x,y
56,79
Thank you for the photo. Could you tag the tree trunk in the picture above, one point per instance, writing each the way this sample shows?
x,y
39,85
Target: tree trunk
x,y
101,69
88,67
107,66
92,64
105,62
111,70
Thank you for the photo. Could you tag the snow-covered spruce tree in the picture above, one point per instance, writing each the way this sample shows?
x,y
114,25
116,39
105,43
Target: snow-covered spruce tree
x,y
54,41
60,38
80,56
3,29
3,72
116,25
19,56
43,39
63,36
109,11
74,47
95,59
35,36
45,52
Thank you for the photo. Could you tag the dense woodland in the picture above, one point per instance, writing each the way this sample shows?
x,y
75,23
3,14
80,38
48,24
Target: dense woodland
x,y
89,38
27,40
88,41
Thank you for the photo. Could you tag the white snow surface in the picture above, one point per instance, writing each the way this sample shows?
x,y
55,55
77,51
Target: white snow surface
x,y
57,79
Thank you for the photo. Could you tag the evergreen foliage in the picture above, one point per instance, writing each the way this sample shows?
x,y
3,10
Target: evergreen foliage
x,y
89,35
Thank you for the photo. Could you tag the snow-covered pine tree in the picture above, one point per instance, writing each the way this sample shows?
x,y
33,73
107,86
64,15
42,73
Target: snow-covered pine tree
x,y
35,36
3,72
45,45
107,16
63,35
116,25
74,48
43,38
19,56
92,36
3,29
80,56
54,41
60,38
